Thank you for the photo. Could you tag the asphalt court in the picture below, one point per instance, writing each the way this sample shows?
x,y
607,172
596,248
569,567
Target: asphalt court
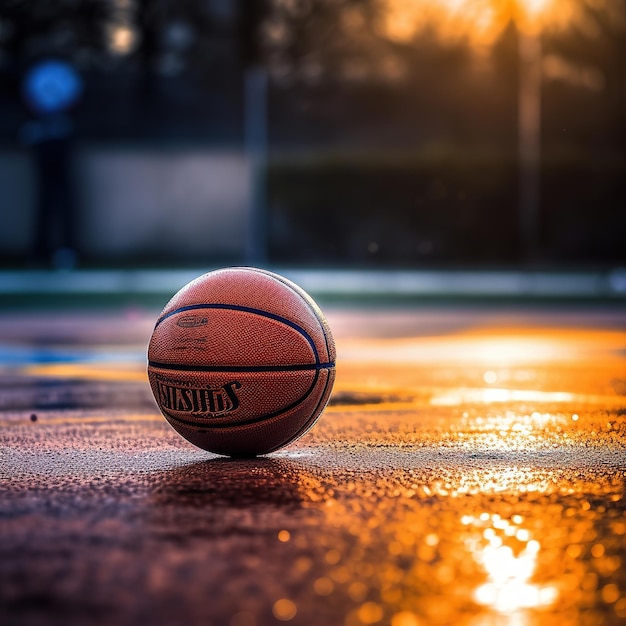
x,y
469,469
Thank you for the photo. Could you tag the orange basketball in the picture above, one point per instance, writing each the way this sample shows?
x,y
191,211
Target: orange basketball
x,y
241,361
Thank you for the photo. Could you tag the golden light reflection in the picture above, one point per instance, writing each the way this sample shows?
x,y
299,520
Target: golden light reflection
x,y
430,557
458,397
492,348
123,372
508,554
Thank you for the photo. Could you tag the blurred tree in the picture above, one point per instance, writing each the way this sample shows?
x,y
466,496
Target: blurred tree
x,y
590,55
307,41
584,134
65,28
151,52
301,42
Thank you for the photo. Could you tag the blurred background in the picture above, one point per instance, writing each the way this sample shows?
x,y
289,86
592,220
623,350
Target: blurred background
x,y
313,133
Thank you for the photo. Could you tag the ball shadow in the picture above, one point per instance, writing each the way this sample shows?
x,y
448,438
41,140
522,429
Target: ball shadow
x,y
236,484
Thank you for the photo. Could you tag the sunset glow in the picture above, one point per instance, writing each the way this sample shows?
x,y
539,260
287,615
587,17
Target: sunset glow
x,y
479,21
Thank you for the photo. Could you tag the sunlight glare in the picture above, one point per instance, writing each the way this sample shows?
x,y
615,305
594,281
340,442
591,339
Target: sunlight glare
x,y
509,569
460,396
535,8
478,21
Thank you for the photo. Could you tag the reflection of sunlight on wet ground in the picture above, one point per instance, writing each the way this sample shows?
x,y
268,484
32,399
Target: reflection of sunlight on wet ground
x,y
515,388
500,347
430,548
508,555
458,397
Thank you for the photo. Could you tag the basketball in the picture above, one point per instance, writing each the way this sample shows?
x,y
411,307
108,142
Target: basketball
x,y
241,362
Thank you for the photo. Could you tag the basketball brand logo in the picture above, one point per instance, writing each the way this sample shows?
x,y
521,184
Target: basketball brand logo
x,y
177,396
192,321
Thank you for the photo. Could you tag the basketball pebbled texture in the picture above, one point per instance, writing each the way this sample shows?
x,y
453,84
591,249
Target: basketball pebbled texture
x,y
241,361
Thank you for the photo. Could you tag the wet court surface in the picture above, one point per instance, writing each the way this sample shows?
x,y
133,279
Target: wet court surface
x,y
470,470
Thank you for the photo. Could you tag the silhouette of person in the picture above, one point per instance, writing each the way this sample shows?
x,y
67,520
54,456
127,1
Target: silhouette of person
x,y
51,88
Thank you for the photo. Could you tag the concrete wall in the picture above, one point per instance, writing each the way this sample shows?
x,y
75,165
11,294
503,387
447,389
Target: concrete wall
x,y
139,202
174,203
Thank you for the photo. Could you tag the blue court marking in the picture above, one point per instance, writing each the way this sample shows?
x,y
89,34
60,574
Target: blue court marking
x,y
33,355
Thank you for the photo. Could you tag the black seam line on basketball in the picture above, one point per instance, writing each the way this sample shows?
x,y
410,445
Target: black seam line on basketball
x,y
317,312
315,309
298,367
245,309
293,405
